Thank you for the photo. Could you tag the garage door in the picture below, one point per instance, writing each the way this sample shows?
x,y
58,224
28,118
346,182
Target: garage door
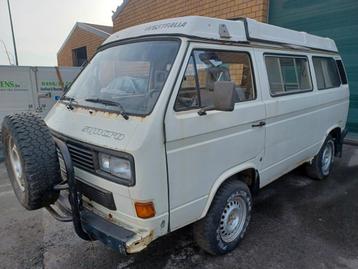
x,y
337,19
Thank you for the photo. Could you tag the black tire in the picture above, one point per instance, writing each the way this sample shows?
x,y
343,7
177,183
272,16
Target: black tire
x,y
27,137
209,232
316,168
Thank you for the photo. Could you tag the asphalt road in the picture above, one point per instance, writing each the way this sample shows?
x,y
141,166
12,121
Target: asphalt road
x,y
296,223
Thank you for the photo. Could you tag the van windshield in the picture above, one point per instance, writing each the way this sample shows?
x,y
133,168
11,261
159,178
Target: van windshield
x,y
131,74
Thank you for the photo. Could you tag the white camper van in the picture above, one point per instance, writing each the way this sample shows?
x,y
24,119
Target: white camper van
x,y
179,122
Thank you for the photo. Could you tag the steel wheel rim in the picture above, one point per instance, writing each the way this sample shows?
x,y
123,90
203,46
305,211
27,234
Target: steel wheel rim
x,y
327,157
233,218
16,164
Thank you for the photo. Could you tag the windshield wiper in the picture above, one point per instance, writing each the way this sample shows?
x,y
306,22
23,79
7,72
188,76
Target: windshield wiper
x,y
70,99
109,103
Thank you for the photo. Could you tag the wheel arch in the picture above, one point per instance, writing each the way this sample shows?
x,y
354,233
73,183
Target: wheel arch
x,y
247,173
336,133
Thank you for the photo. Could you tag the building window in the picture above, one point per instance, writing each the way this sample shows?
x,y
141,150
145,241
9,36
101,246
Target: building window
x,y
326,73
79,56
288,74
205,67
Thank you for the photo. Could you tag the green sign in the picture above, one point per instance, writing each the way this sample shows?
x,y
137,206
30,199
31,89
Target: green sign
x,y
53,85
8,84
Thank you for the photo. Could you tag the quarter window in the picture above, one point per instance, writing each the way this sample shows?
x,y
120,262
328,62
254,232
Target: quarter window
x,y
205,67
326,73
342,72
288,74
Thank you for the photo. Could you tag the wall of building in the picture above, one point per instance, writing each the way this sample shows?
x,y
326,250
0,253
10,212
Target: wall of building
x,y
331,18
79,38
141,11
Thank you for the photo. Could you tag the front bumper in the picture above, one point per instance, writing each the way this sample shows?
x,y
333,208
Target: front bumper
x,y
87,224
108,233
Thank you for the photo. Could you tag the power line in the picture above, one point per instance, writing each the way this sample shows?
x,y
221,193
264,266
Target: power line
x,y
6,51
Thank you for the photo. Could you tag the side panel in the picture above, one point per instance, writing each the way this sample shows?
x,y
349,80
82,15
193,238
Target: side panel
x,y
334,105
202,148
292,131
297,124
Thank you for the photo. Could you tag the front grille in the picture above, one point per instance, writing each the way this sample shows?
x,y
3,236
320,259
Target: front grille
x,y
82,157
62,165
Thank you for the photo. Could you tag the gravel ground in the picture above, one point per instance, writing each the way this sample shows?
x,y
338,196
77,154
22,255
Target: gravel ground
x,y
296,223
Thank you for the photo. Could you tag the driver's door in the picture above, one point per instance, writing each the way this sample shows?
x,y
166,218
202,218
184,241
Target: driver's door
x,y
201,148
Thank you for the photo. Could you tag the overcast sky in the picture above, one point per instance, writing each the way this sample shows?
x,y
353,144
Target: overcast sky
x,y
41,26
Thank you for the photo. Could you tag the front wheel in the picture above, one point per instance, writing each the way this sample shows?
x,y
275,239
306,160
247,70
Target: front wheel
x,y
227,219
322,164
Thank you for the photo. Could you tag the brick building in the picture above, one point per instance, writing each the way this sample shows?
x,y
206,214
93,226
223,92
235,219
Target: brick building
x,y
81,43
139,11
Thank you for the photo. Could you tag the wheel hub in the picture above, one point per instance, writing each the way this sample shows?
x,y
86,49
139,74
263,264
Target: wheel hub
x,y
233,218
16,164
327,157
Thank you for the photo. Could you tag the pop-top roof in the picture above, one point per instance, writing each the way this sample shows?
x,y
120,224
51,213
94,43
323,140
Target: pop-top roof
x,y
241,30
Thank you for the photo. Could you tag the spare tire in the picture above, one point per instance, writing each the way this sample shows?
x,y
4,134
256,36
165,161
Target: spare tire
x,y
31,160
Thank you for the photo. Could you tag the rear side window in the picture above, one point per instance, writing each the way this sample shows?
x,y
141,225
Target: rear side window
x,y
342,72
288,74
326,73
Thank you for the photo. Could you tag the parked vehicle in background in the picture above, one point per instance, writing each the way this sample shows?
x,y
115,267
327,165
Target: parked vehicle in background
x,y
32,89
177,122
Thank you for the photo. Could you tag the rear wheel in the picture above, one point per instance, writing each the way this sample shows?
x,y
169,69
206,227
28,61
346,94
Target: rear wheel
x,y
31,160
322,164
227,219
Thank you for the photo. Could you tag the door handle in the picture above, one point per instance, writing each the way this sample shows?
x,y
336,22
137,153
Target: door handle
x,y
260,124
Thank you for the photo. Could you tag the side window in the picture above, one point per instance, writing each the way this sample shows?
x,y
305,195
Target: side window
x,y
342,72
208,66
326,73
288,74
188,96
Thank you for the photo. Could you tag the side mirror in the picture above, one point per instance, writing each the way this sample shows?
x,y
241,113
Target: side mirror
x,y
224,95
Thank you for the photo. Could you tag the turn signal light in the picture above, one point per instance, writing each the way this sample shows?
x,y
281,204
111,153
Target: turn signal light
x,y
145,210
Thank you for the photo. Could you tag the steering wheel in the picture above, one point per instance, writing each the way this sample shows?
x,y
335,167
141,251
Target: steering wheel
x,y
188,102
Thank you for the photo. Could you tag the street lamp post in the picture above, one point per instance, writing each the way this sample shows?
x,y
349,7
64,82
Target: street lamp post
x,y
12,31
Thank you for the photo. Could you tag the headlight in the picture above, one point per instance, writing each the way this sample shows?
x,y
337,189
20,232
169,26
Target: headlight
x,y
115,166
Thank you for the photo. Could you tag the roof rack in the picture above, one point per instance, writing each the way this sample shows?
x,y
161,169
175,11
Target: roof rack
x,y
263,32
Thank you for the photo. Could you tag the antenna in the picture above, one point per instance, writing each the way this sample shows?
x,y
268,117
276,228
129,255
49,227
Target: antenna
x,y
6,51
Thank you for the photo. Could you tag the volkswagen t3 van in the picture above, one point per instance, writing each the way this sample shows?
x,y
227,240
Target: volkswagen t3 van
x,y
179,122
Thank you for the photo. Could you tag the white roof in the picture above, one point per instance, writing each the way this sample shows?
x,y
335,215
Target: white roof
x,y
241,30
